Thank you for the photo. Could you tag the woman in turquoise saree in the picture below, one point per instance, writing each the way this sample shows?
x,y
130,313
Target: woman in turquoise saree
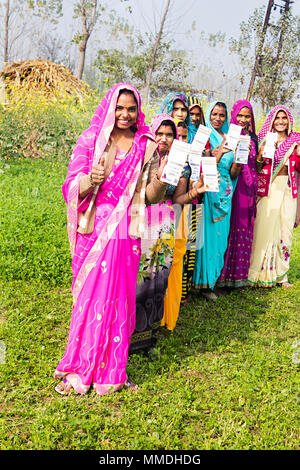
x,y
217,205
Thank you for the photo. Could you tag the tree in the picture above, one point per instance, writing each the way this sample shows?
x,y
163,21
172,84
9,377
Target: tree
x,y
154,53
278,67
170,71
6,30
87,12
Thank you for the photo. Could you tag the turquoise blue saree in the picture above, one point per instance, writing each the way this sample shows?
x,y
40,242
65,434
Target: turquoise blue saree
x,y
217,209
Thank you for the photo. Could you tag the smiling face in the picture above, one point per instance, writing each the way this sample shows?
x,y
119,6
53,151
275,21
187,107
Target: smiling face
x,y
164,138
218,117
195,114
126,111
281,122
244,119
179,111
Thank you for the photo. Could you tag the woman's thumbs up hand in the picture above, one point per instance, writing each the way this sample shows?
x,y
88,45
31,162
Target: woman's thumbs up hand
x,y
97,173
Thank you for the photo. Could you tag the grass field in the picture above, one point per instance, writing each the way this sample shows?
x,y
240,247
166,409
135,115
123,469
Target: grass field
x,y
227,377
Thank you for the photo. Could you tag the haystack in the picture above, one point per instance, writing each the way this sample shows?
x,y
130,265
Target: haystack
x,y
40,76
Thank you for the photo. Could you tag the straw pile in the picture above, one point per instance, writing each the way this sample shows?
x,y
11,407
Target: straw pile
x,y
41,76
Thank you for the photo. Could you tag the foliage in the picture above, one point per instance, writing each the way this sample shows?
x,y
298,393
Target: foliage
x,y
35,125
279,70
131,64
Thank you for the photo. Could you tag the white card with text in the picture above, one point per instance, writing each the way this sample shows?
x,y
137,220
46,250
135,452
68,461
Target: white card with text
x,y
195,164
201,138
177,158
242,150
210,173
233,136
269,148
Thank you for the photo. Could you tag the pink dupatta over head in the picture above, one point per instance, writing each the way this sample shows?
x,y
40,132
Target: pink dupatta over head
x,y
104,263
283,153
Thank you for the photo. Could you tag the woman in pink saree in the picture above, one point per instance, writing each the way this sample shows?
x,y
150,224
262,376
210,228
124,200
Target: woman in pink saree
x,y
113,171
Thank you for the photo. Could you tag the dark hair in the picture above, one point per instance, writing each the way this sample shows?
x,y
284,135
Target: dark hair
x,y
222,105
182,124
128,92
170,123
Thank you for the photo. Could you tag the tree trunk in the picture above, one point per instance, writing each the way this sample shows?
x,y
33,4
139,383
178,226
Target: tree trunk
x,y
6,29
81,59
155,48
86,32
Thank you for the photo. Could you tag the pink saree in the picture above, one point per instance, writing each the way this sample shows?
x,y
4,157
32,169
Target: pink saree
x,y
105,263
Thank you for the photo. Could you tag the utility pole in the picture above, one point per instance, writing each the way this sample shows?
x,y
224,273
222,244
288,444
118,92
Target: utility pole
x,y
282,8
283,30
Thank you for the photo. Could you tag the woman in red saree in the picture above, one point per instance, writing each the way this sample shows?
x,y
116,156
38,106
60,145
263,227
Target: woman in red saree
x,y
279,196
112,173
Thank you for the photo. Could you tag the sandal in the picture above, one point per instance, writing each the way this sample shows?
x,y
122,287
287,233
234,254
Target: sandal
x,y
131,386
64,387
287,285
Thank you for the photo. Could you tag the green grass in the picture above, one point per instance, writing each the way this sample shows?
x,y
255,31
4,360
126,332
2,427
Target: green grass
x,y
225,379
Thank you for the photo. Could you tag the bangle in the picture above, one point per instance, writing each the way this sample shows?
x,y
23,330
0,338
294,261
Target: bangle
x,y
91,179
236,165
260,161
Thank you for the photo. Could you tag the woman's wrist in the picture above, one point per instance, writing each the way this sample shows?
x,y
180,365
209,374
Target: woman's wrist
x,y
192,195
91,179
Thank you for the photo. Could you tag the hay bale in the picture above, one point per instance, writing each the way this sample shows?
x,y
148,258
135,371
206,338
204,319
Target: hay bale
x,y
41,76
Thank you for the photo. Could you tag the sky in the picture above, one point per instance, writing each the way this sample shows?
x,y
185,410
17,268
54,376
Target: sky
x,y
200,16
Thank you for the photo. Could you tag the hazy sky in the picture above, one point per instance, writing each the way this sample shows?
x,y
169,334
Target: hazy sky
x,y
209,15
198,17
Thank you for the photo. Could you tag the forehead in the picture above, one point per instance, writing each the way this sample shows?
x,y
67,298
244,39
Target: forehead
x,y
281,114
244,111
195,110
219,109
179,104
126,99
182,130
163,129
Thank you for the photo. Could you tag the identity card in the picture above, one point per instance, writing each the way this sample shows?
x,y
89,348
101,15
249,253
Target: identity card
x,y
233,136
195,164
210,173
177,158
201,138
270,149
242,150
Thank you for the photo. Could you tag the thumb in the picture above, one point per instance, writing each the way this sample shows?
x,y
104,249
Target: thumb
x,y
102,161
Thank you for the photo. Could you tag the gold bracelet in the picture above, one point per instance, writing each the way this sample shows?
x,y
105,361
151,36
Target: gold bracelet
x,y
260,161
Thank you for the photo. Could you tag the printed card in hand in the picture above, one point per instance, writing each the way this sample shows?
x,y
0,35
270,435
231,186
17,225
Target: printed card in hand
x,y
177,158
210,173
242,150
201,138
269,149
233,136
195,164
